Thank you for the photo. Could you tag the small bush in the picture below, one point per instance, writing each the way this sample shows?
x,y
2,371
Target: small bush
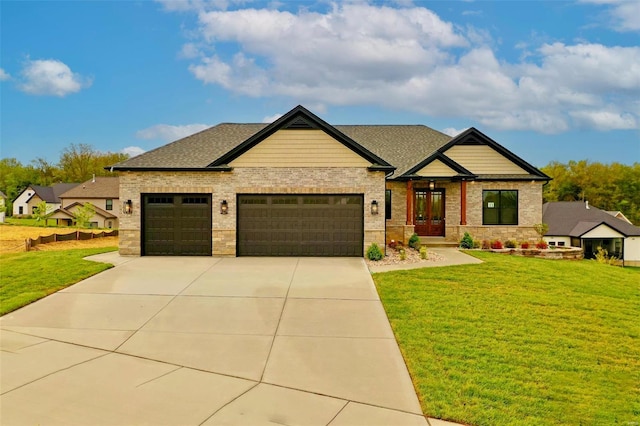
x,y
510,244
477,244
486,245
524,244
496,244
467,241
403,254
542,245
423,252
602,256
374,253
414,242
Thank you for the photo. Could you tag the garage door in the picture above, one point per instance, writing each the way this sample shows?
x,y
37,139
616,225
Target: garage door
x,y
176,225
300,225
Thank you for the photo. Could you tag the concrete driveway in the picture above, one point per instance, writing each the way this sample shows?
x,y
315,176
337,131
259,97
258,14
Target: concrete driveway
x,y
191,341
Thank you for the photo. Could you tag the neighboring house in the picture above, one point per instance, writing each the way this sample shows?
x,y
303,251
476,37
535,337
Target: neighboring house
x,y
577,224
619,215
3,205
101,192
28,200
300,186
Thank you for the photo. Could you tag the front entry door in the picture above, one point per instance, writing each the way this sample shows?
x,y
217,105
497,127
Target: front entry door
x,y
429,212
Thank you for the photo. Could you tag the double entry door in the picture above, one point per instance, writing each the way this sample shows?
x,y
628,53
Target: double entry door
x,y
429,212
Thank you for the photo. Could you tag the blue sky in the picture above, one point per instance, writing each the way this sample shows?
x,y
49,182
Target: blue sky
x,y
551,81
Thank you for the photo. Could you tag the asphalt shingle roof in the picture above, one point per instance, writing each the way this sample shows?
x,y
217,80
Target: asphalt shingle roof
x,y
401,146
51,194
101,187
572,218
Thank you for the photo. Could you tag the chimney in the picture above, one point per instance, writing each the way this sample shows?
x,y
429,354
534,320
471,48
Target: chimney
x,y
586,203
94,178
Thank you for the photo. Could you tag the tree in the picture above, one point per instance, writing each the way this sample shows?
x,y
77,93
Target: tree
x,y
79,162
41,212
84,214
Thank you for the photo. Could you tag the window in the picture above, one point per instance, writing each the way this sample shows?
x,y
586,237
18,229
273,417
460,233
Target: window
x,y
387,204
560,243
20,210
109,204
499,207
33,209
552,243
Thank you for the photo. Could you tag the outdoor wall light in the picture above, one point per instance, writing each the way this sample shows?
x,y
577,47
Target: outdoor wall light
x,y
432,185
127,207
374,207
224,207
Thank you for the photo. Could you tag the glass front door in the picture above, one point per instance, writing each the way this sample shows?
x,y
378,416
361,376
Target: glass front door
x,y
429,212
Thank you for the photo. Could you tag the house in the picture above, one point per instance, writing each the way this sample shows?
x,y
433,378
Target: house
x,y
3,206
619,215
576,223
101,192
27,201
300,186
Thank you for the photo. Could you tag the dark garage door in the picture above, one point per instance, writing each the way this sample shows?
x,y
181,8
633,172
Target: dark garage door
x,y
300,225
177,225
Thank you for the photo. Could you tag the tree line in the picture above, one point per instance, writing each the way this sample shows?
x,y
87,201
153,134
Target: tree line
x,y
77,163
613,187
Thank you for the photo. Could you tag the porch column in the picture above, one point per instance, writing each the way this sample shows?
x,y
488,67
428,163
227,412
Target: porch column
x,y
463,202
409,202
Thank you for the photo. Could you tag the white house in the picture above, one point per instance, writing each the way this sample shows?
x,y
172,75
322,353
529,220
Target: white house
x,y
28,200
577,224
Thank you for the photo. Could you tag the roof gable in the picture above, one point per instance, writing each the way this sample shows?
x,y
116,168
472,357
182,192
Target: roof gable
x,y
302,119
481,155
439,165
299,146
575,218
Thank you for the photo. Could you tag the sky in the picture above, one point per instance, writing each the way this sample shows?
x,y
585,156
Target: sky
x,y
549,80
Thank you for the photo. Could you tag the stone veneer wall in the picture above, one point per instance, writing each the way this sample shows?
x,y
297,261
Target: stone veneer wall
x,y
225,186
529,203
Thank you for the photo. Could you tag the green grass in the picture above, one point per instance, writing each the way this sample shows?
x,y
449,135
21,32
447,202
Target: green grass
x,y
27,277
520,341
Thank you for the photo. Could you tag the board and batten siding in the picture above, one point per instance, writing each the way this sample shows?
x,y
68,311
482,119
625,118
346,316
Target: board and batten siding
x,y
483,160
436,169
299,148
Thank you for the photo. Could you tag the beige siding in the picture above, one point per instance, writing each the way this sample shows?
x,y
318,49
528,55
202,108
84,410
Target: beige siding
x,y
100,203
300,148
482,160
436,169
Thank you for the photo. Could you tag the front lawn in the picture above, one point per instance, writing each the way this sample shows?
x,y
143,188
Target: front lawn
x,y
520,341
27,277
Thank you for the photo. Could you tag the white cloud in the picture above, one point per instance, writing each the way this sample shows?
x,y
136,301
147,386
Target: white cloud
x,y
452,131
623,15
133,151
189,51
4,75
271,118
408,58
51,77
170,133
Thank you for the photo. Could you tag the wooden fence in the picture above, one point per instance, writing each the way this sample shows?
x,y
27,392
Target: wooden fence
x,y
76,235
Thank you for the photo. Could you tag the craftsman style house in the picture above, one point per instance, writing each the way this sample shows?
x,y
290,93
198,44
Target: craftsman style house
x,y
101,192
302,187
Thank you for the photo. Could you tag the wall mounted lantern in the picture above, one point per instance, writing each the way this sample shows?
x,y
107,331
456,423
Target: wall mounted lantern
x,y
224,207
432,185
374,207
127,207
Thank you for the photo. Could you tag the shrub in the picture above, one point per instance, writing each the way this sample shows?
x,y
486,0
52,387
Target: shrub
x,y
374,252
541,229
524,244
414,242
510,244
602,256
403,254
542,245
496,244
423,252
486,245
467,241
